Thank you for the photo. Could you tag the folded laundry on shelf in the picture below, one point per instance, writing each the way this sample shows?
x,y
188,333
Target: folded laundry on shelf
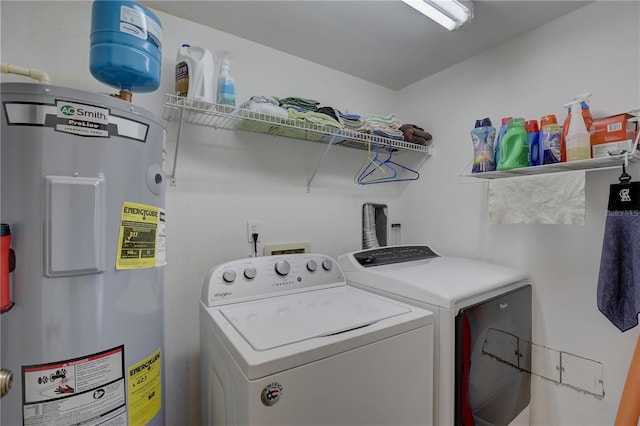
x,y
387,126
265,105
388,133
299,103
316,118
322,123
390,119
351,121
330,111
350,117
415,134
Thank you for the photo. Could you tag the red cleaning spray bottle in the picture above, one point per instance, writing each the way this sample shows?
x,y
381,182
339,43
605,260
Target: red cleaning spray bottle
x,y
586,116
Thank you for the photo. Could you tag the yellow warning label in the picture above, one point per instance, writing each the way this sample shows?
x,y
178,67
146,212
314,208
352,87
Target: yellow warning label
x,y
145,390
141,243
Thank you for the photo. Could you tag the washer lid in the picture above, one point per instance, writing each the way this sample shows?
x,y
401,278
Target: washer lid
x,y
270,323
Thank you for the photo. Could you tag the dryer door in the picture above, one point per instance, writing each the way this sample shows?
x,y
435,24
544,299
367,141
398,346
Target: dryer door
x,y
493,383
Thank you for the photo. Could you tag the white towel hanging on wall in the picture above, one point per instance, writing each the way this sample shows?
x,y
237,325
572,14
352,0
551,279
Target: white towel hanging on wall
x,y
543,199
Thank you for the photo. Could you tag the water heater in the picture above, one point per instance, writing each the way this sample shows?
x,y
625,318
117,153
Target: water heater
x,y
82,190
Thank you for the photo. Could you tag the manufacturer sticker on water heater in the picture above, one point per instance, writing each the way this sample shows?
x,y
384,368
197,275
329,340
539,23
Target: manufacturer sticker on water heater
x,y
141,243
82,119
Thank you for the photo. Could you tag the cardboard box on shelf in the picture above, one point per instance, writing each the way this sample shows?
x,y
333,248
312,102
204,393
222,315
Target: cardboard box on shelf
x,y
613,135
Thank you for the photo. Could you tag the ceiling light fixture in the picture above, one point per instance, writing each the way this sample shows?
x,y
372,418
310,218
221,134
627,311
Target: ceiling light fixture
x,y
451,14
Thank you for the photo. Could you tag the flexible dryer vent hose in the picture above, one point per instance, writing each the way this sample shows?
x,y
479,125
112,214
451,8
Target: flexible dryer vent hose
x,y
369,237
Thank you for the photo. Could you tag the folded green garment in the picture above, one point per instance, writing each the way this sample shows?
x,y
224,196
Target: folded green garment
x,y
314,118
291,132
309,104
254,126
386,119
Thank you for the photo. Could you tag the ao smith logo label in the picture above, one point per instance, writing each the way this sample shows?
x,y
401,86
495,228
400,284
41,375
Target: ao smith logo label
x,y
82,112
68,110
144,213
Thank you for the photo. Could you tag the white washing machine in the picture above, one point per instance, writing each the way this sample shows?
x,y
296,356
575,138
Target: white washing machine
x,y
284,341
482,328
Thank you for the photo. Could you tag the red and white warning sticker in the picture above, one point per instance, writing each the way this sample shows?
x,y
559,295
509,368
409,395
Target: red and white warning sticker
x,y
88,390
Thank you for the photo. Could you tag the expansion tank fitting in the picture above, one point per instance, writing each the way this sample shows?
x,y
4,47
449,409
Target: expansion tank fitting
x,y
6,380
124,94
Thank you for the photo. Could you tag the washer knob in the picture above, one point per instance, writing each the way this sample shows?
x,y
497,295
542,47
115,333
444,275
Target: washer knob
x,y
250,273
229,276
312,265
282,267
327,265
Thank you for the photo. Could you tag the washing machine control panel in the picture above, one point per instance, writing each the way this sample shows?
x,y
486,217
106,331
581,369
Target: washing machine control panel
x,y
394,254
260,277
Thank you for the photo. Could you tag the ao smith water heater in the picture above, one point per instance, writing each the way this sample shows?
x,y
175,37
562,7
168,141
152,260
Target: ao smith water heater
x,y
82,204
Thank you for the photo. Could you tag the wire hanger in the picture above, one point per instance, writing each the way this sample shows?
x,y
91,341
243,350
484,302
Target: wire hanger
x,y
414,175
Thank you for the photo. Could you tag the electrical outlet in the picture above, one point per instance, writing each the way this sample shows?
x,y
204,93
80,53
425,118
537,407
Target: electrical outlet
x,y
253,227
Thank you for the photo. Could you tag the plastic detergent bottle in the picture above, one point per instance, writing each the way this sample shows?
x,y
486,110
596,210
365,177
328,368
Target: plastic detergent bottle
x,y
483,137
503,130
536,151
194,73
514,149
226,84
578,139
550,139
586,116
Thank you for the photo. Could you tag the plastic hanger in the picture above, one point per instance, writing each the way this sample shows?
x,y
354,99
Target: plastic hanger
x,y
624,178
414,175
368,161
367,175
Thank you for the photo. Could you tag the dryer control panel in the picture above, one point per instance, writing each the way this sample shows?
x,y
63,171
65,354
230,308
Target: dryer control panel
x,y
393,254
261,277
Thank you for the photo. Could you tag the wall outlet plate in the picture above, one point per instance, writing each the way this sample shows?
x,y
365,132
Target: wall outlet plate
x,y
253,226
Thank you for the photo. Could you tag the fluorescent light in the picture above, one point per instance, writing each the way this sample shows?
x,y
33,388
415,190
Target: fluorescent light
x,y
451,14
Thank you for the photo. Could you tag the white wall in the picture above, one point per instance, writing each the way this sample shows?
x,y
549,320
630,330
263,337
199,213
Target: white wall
x,y
592,49
225,178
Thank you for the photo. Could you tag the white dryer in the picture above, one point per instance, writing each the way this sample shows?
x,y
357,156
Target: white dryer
x,y
284,341
482,328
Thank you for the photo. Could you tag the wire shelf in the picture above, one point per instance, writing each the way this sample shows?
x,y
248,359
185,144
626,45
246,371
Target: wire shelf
x,y
232,118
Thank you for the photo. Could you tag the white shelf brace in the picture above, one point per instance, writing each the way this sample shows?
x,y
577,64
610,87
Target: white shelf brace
x,y
315,170
172,178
